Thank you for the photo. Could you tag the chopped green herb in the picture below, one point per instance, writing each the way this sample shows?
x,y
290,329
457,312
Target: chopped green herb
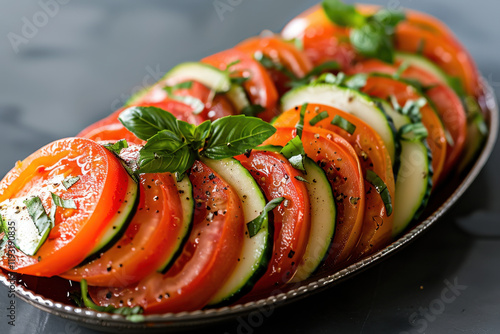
x,y
355,82
270,64
344,124
294,152
133,314
410,109
255,225
381,188
239,80
401,69
63,203
231,64
116,147
300,124
318,118
413,132
38,215
300,178
70,181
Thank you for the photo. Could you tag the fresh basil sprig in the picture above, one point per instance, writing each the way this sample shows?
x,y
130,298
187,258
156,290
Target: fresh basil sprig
x,y
173,145
372,35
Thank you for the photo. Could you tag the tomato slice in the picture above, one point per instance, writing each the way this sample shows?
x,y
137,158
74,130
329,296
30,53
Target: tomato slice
x,y
447,103
149,239
207,259
454,61
276,177
281,52
341,165
259,87
102,185
373,156
110,127
322,40
385,88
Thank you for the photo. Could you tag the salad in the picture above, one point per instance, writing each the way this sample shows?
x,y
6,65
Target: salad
x,y
259,166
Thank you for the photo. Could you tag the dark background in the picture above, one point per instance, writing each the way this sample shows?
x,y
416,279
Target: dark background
x,y
91,55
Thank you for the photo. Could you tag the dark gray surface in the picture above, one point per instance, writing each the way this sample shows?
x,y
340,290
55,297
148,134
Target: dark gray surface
x,y
92,54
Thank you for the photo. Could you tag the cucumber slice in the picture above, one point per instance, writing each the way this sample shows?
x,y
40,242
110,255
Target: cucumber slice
x,y
348,100
118,225
185,190
238,97
323,218
256,251
425,64
414,178
212,77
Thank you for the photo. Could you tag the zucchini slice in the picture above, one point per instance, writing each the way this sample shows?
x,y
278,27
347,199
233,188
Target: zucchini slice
x,y
323,219
256,251
212,77
414,178
118,225
185,190
350,101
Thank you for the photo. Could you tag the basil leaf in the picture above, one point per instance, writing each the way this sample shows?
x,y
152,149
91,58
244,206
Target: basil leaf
x,y
342,14
116,147
131,313
300,124
255,225
194,135
233,135
411,109
145,122
294,152
344,124
165,152
389,18
318,118
252,110
413,132
63,203
70,181
38,215
381,188
371,40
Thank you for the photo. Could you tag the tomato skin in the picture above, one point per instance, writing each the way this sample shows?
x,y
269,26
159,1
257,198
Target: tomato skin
x,y
341,165
103,183
282,52
259,87
276,177
207,259
372,154
322,40
148,240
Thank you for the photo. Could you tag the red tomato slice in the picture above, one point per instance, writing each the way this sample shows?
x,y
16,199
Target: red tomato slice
x,y
103,184
216,105
454,61
372,154
322,40
341,165
281,52
447,103
111,132
207,259
259,87
276,177
149,239
385,88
